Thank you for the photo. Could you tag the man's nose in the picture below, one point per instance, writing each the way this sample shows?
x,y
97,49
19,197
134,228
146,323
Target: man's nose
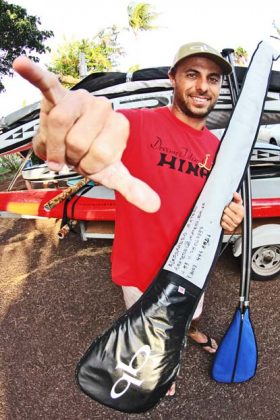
x,y
202,84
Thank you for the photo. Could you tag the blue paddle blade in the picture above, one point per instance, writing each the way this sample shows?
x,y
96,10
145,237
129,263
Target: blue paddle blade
x,y
237,355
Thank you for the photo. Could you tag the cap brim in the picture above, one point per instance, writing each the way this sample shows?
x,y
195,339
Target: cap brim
x,y
225,65
222,63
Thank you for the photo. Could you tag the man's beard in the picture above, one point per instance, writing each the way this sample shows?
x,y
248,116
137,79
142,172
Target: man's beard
x,y
181,104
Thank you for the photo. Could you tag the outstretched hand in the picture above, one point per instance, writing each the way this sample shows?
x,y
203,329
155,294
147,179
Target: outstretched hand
x,y
83,131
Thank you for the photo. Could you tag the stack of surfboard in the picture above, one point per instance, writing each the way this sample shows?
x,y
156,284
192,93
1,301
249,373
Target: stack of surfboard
x,y
144,88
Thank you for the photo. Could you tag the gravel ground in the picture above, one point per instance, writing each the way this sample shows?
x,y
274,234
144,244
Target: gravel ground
x,y
56,297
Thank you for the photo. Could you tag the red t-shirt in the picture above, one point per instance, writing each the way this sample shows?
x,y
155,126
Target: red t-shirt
x,y
174,159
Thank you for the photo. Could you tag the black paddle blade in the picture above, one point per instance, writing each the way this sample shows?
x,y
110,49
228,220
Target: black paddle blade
x,y
237,355
132,366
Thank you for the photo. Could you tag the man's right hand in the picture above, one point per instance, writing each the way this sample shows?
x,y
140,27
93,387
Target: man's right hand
x,y
83,131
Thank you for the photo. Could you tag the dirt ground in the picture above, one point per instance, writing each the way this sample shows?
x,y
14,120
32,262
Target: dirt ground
x,y
57,296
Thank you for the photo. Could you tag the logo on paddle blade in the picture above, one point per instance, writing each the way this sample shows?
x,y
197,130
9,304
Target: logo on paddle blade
x,y
130,373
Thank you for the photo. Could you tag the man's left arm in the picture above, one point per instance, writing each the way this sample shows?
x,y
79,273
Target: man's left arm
x,y
233,214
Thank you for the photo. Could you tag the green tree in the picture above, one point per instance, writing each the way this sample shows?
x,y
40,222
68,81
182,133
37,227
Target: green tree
x,y
19,34
102,53
240,56
141,17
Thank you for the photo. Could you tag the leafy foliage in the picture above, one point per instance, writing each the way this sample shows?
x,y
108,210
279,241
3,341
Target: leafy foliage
x,y
19,34
102,53
141,17
10,163
133,68
240,56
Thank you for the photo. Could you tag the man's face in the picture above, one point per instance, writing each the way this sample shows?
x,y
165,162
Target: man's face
x,y
196,82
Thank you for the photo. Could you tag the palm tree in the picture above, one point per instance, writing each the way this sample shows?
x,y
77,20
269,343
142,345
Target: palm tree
x,y
141,17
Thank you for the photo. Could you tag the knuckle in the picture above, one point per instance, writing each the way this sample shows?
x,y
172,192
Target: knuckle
x,y
81,95
58,118
88,167
84,169
75,146
226,210
98,104
102,153
102,102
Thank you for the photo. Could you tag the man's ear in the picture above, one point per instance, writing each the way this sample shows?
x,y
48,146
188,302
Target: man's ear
x,y
171,78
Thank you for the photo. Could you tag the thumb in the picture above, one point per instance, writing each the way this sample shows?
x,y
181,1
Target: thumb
x,y
237,198
137,192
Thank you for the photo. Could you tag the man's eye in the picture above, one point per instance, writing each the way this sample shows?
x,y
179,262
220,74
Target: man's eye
x,y
191,75
214,80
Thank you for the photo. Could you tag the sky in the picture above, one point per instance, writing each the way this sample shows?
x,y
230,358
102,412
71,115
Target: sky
x,y
216,22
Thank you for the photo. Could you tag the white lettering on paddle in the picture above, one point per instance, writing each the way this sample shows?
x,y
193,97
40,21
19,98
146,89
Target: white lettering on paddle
x,y
130,373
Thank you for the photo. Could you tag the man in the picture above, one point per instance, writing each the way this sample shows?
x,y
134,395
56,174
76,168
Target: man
x,y
157,160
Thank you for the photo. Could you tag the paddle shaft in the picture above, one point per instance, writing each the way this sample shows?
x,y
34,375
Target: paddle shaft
x,y
236,358
247,201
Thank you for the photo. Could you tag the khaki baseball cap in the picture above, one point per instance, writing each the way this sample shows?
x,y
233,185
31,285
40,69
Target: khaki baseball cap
x,y
204,50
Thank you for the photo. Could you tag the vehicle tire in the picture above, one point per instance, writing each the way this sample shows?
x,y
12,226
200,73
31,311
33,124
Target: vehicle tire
x,y
273,141
266,262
